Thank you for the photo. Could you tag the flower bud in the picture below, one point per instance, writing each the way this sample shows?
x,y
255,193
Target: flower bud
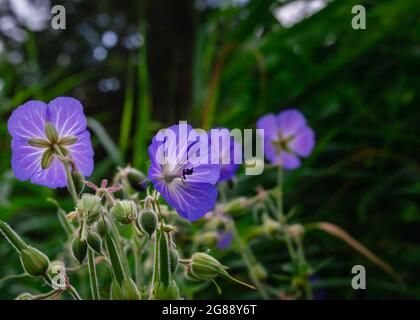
x,y
174,259
236,207
34,262
205,267
148,221
90,206
137,179
94,241
124,211
12,236
188,274
79,248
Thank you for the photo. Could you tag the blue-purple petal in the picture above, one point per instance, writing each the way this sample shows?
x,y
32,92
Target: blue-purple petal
x,y
66,115
289,122
82,153
270,126
303,143
26,160
28,120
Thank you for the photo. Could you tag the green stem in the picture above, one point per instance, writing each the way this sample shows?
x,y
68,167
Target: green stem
x,y
70,181
250,262
48,294
281,217
137,249
246,252
302,263
73,292
92,275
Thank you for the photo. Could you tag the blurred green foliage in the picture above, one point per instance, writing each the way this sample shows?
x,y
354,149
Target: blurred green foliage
x,y
359,90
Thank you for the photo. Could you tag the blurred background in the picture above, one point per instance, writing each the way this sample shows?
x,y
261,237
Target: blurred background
x,y
138,66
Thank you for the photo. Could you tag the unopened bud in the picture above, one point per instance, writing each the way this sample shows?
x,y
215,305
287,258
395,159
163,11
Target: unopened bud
x,y
236,207
148,221
94,241
90,206
124,211
189,275
205,267
12,236
34,262
79,248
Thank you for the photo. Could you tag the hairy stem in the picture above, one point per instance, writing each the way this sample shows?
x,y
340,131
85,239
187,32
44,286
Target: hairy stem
x,y
92,275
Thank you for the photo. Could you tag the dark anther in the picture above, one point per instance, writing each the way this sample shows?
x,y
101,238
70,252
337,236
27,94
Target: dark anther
x,y
187,172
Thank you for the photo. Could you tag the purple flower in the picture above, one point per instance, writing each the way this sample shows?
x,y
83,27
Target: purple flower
x,y
224,153
187,185
286,138
42,134
225,239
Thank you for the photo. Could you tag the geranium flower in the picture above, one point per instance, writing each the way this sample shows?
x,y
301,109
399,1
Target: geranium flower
x,y
187,186
286,138
225,156
42,134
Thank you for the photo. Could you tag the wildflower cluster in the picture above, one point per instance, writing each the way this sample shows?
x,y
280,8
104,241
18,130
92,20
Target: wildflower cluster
x,y
132,225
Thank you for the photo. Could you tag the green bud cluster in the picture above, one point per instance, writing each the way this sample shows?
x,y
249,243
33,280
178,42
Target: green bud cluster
x,y
90,207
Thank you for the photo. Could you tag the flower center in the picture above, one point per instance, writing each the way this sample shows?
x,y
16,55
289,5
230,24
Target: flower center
x,y
181,175
53,145
282,144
